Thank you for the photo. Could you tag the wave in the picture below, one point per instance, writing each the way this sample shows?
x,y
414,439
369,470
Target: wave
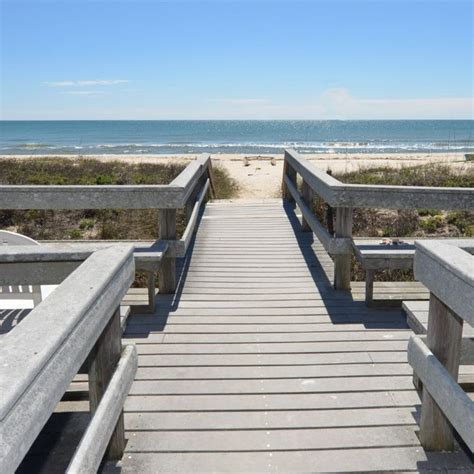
x,y
374,146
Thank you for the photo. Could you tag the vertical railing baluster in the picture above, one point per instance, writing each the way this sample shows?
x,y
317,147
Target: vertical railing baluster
x,y
342,263
444,339
167,231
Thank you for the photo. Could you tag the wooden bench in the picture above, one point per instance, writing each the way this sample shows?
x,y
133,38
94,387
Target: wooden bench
x,y
148,256
375,256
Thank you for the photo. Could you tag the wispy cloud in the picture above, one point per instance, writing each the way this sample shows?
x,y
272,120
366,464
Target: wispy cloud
x,y
244,101
87,83
340,103
86,93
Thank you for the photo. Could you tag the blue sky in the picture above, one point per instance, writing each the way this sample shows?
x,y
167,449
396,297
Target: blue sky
x,y
145,59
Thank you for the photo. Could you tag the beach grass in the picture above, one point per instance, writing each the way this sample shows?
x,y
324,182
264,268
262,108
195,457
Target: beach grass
x,y
108,224
407,222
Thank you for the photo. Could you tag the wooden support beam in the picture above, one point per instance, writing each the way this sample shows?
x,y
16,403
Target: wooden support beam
x,y
102,363
369,287
289,171
307,194
444,340
342,263
167,273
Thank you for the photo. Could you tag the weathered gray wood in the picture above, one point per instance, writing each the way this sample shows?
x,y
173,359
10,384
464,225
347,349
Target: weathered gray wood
x,y
444,341
167,272
191,226
395,459
338,194
290,173
108,413
332,245
40,358
369,286
342,263
276,386
90,197
51,263
417,318
189,177
448,271
103,360
273,347
282,419
225,441
446,398
259,353
307,194
300,401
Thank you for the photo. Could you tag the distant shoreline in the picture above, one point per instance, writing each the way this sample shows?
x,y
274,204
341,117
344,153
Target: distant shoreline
x,y
260,175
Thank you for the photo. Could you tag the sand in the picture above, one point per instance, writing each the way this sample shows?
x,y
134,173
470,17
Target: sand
x,y
260,176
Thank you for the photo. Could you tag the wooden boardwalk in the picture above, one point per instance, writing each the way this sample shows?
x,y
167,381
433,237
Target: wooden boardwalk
x,y
257,364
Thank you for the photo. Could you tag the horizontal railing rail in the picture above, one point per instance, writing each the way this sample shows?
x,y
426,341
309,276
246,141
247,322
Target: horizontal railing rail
x,y
338,194
187,191
136,196
344,197
79,323
447,270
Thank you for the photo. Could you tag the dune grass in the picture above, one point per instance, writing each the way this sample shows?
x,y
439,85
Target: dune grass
x,y
406,222
89,223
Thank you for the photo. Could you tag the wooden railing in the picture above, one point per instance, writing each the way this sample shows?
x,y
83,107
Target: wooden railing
x,y
77,325
344,197
187,191
448,272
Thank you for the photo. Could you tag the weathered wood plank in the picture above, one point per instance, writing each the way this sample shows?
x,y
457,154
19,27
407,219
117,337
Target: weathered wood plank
x,y
364,460
274,440
258,352
294,401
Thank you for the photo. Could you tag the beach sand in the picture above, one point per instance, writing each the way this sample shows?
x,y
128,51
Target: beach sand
x,y
260,176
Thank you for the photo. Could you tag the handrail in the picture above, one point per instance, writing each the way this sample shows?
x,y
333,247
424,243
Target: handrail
x,y
344,197
40,356
338,194
139,196
185,240
331,244
180,193
447,269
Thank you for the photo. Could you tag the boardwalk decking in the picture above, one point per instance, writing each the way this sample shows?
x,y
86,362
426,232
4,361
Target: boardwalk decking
x,y
257,364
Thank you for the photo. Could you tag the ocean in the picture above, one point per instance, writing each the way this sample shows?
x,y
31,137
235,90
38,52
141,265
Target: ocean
x,y
235,136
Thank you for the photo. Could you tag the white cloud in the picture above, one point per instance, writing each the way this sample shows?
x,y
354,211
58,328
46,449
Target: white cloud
x,y
86,93
88,83
241,101
339,103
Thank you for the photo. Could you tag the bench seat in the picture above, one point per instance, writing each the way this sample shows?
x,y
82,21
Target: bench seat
x,y
375,256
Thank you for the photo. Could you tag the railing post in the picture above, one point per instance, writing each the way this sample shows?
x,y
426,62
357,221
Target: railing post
x,y
444,340
308,195
289,171
342,263
167,273
102,363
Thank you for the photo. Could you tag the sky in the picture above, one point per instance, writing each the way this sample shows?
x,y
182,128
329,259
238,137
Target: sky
x,y
259,59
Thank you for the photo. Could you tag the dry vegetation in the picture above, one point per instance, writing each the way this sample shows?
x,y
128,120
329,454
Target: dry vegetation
x,y
88,223
407,222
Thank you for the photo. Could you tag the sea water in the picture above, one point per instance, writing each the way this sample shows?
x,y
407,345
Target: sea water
x,y
235,136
